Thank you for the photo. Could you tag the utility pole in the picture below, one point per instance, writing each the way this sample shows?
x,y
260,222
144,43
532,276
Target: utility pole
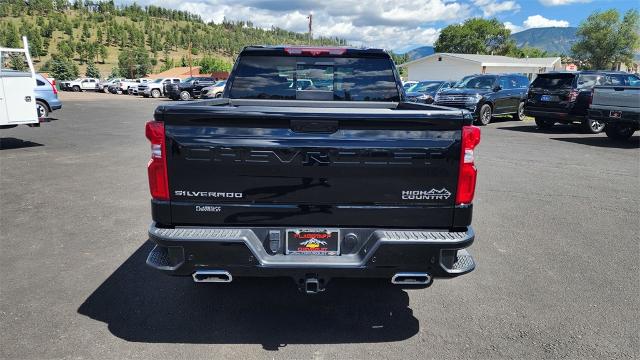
x,y
310,17
190,70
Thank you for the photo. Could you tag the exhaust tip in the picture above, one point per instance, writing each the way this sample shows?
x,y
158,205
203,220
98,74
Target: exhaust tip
x,y
411,278
217,276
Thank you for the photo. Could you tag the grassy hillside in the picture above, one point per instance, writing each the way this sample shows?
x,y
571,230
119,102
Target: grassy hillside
x,y
99,33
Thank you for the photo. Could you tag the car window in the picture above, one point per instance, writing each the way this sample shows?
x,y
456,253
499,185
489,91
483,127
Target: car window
x,y
587,81
505,82
325,78
425,86
554,81
476,82
520,82
39,82
622,80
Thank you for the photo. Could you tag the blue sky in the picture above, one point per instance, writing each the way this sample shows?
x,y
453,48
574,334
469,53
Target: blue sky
x,y
398,25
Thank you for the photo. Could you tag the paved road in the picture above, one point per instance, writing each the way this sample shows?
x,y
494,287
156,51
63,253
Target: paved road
x,y
556,214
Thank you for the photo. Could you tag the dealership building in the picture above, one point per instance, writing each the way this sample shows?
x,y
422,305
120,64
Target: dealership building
x,y
450,66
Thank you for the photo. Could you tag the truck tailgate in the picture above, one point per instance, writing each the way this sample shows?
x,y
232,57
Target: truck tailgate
x,y
313,166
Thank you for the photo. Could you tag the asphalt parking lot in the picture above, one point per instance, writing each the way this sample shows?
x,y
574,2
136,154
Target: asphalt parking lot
x,y
558,276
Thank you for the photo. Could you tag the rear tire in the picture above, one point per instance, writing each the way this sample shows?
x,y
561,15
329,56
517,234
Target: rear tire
x,y
544,124
42,109
484,116
618,132
76,88
519,116
591,126
219,95
155,93
184,95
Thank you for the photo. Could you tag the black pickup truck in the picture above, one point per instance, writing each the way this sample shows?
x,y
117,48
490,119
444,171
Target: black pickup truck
x,y
312,166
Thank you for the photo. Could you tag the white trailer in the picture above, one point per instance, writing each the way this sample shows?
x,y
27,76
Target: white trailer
x,y
17,97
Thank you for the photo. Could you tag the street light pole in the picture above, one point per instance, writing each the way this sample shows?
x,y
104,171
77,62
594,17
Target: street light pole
x,y
310,17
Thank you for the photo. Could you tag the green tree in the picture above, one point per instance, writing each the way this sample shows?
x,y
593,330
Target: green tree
x,y
209,65
529,52
476,36
92,71
134,63
62,68
606,40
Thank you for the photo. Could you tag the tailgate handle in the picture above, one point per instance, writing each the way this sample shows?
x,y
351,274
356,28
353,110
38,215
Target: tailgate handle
x,y
314,126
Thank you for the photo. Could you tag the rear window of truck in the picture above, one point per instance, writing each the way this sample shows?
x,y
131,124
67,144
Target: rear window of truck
x,y
314,78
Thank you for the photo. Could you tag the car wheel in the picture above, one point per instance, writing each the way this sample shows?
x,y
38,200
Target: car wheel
x,y
519,116
42,109
591,126
184,95
155,93
76,88
484,116
105,89
618,132
218,95
543,123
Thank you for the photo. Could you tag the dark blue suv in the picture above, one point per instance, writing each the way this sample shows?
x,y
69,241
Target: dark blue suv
x,y
487,95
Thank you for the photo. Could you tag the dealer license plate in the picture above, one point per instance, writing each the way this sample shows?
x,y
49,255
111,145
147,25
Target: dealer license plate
x,y
616,114
547,98
313,241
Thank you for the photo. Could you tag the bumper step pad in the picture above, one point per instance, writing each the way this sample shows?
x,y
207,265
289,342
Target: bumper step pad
x,y
463,264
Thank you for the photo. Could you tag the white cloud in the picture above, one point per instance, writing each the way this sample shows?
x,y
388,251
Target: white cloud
x,y
492,7
561,2
513,27
537,21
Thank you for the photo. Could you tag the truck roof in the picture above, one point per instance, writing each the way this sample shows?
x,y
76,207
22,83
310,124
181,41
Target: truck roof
x,y
301,50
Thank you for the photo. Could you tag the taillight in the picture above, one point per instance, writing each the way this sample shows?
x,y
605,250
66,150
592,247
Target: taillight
x,y
468,172
573,95
157,167
314,51
53,86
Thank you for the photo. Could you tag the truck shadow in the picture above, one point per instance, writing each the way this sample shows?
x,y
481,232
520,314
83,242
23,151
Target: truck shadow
x,y
13,143
140,304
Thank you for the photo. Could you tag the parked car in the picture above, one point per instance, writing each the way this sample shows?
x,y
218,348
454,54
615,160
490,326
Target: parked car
x,y
617,106
104,85
46,97
425,91
80,84
123,86
156,88
213,91
133,87
189,88
261,183
564,97
487,95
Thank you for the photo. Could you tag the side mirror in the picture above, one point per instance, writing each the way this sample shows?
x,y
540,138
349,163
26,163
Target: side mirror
x,y
497,88
196,82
